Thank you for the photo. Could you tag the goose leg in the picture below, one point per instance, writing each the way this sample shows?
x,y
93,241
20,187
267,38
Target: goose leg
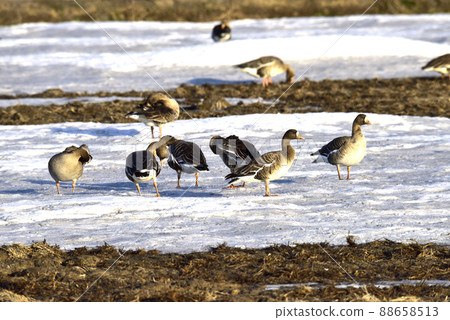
x,y
73,186
268,191
160,132
57,187
153,136
233,186
156,188
179,176
270,80
264,83
348,173
196,179
138,189
339,172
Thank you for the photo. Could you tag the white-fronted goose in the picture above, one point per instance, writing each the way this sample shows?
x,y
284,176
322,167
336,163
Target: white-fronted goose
x,y
68,165
440,64
142,166
266,68
346,151
157,110
270,166
185,156
234,152
221,32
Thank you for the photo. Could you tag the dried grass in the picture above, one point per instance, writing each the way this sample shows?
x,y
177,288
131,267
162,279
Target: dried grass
x,y
46,273
20,11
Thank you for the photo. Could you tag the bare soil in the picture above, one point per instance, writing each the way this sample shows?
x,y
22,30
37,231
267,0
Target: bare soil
x,y
45,273
408,96
21,11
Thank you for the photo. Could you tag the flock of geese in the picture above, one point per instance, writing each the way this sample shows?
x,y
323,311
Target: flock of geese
x,y
246,164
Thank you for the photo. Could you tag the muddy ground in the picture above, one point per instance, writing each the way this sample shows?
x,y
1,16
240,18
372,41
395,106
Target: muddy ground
x,y
45,273
41,272
410,96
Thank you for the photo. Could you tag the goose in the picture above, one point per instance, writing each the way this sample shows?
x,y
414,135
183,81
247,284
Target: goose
x,y
68,165
221,32
440,64
234,152
185,156
142,166
157,110
266,68
346,151
270,166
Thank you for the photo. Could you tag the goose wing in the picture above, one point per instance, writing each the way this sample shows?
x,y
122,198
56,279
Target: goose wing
x,y
440,61
252,169
188,153
333,145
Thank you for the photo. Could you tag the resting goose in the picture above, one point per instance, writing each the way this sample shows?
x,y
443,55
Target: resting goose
x,y
440,64
157,110
346,151
185,156
142,166
234,152
221,32
266,68
68,165
270,166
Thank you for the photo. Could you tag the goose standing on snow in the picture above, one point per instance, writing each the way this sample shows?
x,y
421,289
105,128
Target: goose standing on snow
x,y
68,165
142,166
234,152
270,166
440,64
157,110
185,156
266,68
221,32
346,151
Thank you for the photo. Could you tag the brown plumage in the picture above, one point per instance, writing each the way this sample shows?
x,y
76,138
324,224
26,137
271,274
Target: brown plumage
x,y
234,152
270,166
68,165
346,151
157,110
142,166
440,64
185,156
266,68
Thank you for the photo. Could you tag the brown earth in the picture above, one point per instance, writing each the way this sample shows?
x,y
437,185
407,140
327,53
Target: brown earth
x,y
45,273
408,96
21,11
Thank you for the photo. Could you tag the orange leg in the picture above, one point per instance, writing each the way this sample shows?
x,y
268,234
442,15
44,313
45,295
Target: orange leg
x,y
339,172
233,186
179,176
57,187
196,179
160,132
138,189
153,136
73,186
268,191
265,82
156,188
348,173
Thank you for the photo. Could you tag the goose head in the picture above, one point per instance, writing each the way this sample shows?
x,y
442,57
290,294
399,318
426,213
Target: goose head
x,y
292,134
362,119
290,74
